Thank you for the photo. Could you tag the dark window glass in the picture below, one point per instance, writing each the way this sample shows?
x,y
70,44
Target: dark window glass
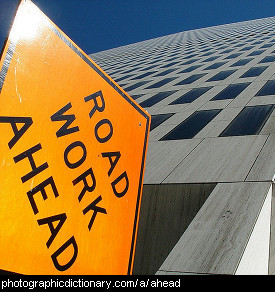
x,y
156,120
191,79
211,59
152,62
191,95
249,121
226,51
148,68
191,126
221,75
189,69
190,56
238,45
233,56
268,59
254,71
241,62
131,70
162,82
156,98
122,78
144,75
215,65
267,89
205,50
266,46
255,53
207,54
231,91
169,65
165,72
257,42
246,48
171,59
189,62
134,86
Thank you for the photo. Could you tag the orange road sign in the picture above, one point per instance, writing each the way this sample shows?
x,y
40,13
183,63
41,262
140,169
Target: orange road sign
x,y
73,147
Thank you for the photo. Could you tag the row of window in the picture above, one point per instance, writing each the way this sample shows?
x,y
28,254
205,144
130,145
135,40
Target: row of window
x,y
267,59
181,43
230,92
180,48
252,72
249,121
268,89
192,54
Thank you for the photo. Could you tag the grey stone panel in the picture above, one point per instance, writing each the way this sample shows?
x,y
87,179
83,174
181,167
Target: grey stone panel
x,y
223,159
264,166
166,212
163,157
217,237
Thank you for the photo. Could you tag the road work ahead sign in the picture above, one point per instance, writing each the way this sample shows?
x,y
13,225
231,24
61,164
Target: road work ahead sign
x,y
73,147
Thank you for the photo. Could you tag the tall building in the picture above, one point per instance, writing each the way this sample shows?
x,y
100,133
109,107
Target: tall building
x,y
207,199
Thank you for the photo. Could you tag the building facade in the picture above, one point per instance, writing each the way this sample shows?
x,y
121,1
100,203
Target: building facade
x,y
207,199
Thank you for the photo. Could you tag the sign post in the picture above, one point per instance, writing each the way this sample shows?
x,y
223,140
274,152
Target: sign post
x,y
73,147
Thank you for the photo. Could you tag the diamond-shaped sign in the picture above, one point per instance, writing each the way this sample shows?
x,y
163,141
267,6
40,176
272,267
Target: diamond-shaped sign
x,y
73,148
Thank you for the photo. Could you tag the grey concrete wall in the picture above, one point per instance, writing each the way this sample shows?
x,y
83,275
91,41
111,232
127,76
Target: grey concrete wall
x,y
216,239
166,211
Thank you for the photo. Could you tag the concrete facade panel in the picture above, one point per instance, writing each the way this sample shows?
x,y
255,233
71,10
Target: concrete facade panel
x,y
217,237
226,159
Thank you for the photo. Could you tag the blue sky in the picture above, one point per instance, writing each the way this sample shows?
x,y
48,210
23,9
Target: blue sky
x,y
96,25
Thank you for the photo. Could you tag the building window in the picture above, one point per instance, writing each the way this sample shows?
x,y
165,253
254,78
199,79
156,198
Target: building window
x,y
161,83
231,91
190,56
164,72
134,86
226,51
148,68
233,56
267,89
241,62
246,48
256,53
169,65
122,78
268,59
144,75
190,62
128,71
211,59
191,79
156,120
215,65
191,126
156,98
266,46
254,71
189,69
191,95
207,54
221,75
249,121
